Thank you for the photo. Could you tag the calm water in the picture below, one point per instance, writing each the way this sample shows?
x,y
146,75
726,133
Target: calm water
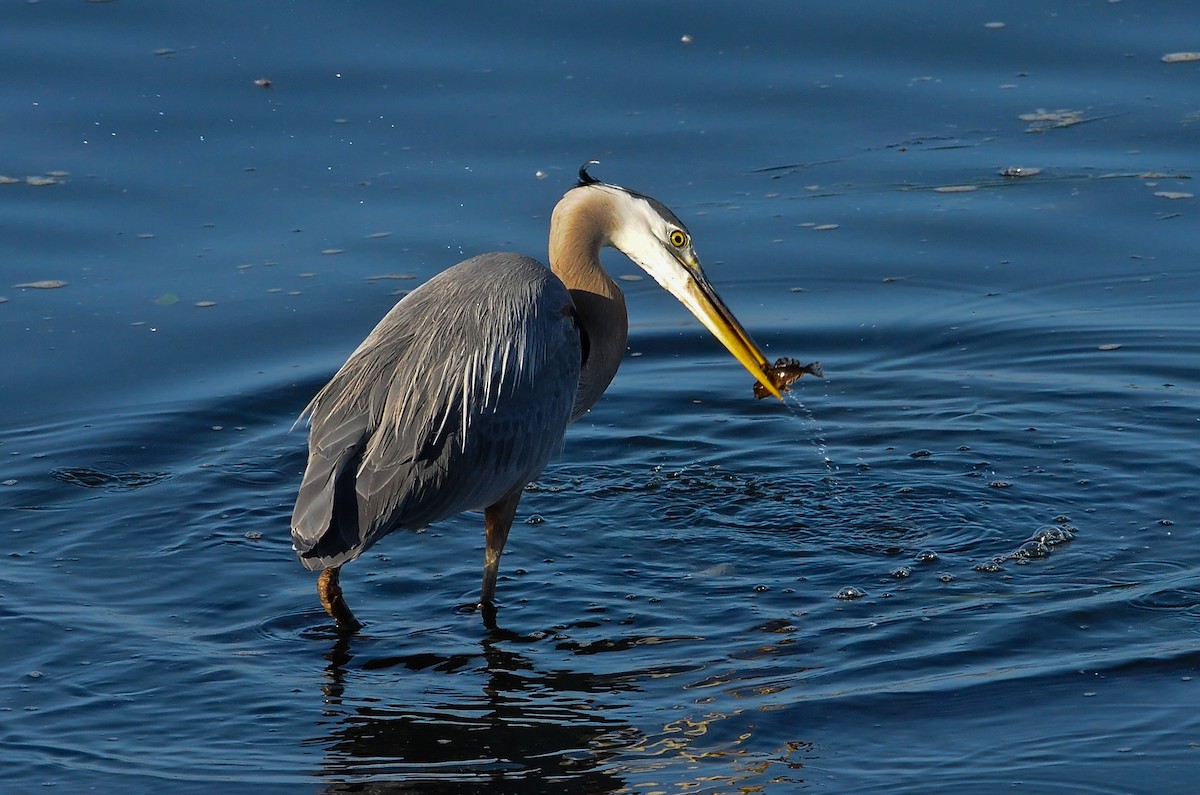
x,y
1009,361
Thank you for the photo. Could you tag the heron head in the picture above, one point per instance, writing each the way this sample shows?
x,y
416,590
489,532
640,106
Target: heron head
x,y
647,232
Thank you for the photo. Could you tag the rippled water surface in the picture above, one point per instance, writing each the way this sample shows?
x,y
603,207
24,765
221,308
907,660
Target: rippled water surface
x,y
965,561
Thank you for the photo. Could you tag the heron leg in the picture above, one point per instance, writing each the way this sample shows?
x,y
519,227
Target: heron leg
x,y
334,603
497,521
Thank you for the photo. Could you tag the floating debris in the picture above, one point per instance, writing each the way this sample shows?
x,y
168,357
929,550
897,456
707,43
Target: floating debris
x,y
8,180
956,189
205,304
1111,346
995,25
1041,114
630,277
785,372
332,251
164,51
1181,57
403,277
1042,120
263,82
1017,172
41,182
377,235
1171,194
45,284
825,227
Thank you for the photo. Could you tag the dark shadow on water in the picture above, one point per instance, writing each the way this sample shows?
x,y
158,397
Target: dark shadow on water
x,y
478,722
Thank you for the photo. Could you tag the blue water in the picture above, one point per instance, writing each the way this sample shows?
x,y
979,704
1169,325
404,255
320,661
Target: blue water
x,y
703,593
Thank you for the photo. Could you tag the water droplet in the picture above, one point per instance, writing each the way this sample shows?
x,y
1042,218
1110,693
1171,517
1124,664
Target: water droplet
x,y
1050,535
1030,550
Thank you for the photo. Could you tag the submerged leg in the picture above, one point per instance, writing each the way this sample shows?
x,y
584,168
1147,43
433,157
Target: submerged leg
x,y
497,521
330,594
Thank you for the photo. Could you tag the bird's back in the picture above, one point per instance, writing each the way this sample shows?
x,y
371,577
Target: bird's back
x,y
458,397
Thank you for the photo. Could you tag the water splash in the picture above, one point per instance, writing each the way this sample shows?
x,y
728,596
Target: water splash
x,y
816,438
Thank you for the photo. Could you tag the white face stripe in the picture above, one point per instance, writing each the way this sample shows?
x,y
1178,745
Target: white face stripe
x,y
643,234
641,229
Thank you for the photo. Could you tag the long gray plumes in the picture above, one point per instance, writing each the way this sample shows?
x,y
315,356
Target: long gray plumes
x,y
485,350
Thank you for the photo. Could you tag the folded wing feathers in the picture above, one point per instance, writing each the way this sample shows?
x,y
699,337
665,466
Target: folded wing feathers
x,y
443,357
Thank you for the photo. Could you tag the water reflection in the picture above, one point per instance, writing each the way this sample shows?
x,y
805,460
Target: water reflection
x,y
484,722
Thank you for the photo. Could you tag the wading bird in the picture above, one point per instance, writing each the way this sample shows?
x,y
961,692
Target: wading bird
x,y
465,389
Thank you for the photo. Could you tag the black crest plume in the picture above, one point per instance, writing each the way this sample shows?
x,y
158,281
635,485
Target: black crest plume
x,y
586,178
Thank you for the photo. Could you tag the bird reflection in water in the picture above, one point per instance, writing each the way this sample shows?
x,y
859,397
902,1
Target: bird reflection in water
x,y
525,728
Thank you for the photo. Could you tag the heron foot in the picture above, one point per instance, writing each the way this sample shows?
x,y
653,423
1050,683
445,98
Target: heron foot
x,y
330,594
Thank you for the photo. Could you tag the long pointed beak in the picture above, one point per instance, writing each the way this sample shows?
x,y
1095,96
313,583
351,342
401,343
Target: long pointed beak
x,y
680,274
699,296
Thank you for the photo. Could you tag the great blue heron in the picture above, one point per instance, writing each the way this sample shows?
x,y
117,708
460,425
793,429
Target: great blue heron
x,y
464,390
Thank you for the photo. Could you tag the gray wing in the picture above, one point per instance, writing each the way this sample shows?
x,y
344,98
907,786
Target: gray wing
x,y
458,397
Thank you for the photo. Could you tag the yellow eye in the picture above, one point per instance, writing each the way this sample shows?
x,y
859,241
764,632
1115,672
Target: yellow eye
x,y
678,239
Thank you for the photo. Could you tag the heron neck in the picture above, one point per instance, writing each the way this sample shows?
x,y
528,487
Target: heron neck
x,y
578,229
